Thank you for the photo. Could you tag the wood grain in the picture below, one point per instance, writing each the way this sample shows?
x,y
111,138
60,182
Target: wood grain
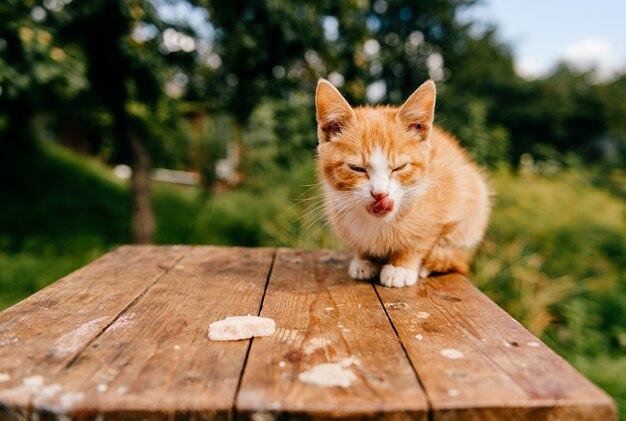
x,y
156,359
324,317
43,333
493,368
126,338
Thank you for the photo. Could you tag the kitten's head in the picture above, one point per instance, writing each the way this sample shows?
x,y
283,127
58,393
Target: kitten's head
x,y
374,158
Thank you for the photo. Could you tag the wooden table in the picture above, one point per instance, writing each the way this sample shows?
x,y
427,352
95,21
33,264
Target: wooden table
x,y
126,338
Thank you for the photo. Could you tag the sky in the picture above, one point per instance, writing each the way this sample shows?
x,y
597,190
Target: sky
x,y
543,32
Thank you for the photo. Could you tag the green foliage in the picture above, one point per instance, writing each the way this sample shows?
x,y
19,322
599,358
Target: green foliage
x,y
261,46
608,373
55,198
39,263
488,146
34,59
59,213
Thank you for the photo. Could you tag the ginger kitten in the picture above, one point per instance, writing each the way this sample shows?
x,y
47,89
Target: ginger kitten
x,y
397,189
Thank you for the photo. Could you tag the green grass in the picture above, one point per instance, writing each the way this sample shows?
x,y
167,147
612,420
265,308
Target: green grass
x,y
555,259
59,211
554,256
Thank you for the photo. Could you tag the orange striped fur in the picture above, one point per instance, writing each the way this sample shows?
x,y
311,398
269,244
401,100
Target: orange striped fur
x,y
398,189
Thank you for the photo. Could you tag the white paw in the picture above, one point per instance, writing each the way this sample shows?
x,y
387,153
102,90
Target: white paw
x,y
363,269
395,276
424,273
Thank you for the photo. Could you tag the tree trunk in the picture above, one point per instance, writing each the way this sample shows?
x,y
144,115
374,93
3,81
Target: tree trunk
x,y
143,215
234,156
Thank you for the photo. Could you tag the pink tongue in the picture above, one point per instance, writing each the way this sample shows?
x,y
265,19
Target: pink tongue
x,y
383,205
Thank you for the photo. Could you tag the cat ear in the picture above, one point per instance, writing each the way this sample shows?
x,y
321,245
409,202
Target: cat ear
x,y
418,111
333,111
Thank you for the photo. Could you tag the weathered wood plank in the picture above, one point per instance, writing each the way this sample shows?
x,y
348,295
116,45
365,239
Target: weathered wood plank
x,y
156,360
43,333
478,363
324,317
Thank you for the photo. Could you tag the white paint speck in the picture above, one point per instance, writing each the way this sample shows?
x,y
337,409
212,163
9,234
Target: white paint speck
x,y
314,344
422,315
532,344
68,400
123,322
287,335
50,390
453,393
262,416
102,387
330,374
9,342
282,364
453,354
73,340
4,377
274,405
177,347
419,337
33,381
329,308
359,306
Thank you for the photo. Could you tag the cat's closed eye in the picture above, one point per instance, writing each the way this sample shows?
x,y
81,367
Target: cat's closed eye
x,y
401,167
357,168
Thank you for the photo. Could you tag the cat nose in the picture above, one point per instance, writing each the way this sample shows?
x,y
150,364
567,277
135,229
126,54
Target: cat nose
x,y
378,196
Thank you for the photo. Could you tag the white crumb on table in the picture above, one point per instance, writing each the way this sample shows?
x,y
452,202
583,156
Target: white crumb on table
x,y
453,354
532,344
241,327
33,381
330,374
419,337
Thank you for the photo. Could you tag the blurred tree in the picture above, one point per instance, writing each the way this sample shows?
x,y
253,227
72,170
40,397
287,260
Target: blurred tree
x,y
489,146
612,144
385,48
263,48
126,79
561,114
108,62
37,71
